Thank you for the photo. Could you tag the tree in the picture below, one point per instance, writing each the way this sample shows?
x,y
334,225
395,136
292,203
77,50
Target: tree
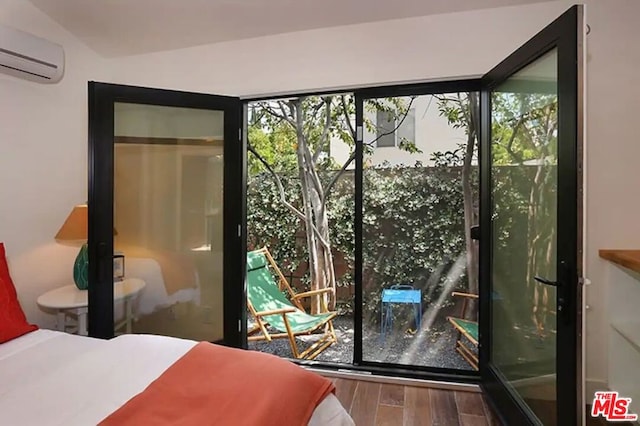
x,y
462,111
524,127
525,135
306,126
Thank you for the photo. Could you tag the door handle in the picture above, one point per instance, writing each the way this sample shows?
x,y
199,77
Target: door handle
x,y
475,232
563,295
560,301
546,281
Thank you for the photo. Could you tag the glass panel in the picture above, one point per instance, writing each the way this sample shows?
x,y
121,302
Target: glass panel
x,y
524,124
168,180
300,207
420,198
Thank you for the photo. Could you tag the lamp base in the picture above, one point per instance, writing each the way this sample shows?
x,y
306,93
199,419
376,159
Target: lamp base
x,y
81,268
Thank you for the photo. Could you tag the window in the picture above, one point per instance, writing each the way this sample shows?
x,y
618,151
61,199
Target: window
x,y
385,125
388,135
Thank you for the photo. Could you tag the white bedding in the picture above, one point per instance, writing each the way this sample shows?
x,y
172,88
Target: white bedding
x,y
53,378
154,295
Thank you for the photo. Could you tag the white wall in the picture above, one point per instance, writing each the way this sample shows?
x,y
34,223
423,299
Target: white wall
x,y
43,160
42,166
422,48
613,153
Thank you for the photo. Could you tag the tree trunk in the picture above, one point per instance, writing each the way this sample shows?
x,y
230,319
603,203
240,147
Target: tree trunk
x,y
306,203
321,268
313,212
470,216
540,238
322,222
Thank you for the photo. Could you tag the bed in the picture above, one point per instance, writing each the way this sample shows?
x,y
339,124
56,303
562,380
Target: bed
x,y
171,277
156,295
53,378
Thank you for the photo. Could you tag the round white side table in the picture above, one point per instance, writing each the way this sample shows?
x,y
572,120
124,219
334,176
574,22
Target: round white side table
x,y
71,300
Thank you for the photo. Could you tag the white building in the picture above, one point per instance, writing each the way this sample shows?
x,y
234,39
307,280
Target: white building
x,y
423,125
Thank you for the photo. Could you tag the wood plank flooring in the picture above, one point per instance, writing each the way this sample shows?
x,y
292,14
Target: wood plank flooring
x,y
381,404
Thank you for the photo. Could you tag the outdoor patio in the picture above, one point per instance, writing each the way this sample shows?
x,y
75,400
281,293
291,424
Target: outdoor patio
x,y
433,346
417,197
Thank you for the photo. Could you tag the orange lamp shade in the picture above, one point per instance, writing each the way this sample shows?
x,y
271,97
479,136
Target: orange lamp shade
x,y
74,230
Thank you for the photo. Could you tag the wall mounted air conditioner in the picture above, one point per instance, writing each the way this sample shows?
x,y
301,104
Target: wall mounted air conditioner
x,y
27,56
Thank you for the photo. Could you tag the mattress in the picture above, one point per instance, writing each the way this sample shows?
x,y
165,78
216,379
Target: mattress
x,y
53,378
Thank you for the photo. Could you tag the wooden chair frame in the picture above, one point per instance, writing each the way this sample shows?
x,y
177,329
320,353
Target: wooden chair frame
x,y
328,338
461,346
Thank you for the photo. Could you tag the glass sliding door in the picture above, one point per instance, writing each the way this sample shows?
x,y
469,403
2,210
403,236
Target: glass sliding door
x,y
168,181
531,230
524,182
173,233
300,161
417,195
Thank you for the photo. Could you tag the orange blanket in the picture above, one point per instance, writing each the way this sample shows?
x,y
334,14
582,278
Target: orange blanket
x,y
216,385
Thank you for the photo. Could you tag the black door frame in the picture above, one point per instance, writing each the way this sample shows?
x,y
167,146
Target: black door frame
x,y
361,95
102,97
565,34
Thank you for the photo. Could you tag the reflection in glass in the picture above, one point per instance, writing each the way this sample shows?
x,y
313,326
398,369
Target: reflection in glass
x,y
168,183
524,181
420,198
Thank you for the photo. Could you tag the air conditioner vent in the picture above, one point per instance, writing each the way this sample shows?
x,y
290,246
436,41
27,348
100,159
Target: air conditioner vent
x,y
33,58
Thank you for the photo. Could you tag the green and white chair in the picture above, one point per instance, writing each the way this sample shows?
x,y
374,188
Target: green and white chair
x,y
468,329
267,291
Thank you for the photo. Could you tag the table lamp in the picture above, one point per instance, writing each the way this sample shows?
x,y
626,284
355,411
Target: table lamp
x,y
74,232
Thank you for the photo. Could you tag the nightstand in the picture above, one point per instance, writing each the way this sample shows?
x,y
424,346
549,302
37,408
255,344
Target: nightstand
x,y
70,301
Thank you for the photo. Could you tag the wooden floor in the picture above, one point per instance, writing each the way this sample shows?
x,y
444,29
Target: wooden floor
x,y
376,404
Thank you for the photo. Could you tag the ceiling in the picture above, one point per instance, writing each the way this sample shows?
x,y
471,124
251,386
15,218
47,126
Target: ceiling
x,y
126,27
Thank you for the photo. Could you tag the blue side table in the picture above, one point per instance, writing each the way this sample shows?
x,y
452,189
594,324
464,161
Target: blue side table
x,y
399,294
